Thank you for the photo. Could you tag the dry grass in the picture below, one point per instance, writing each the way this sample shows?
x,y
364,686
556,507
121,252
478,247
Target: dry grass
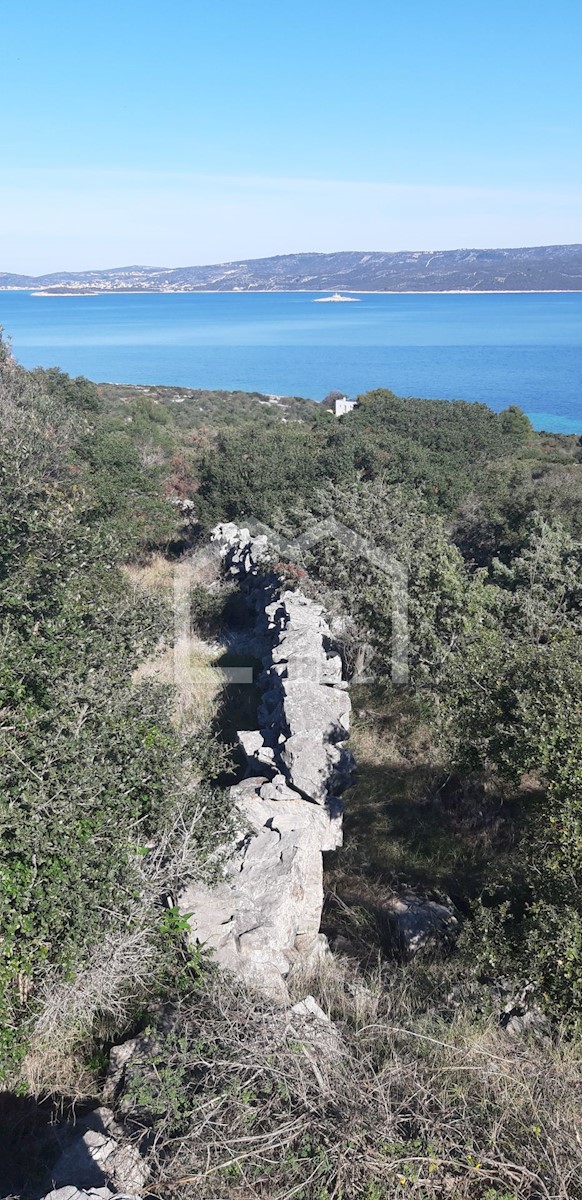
x,y
122,972
190,665
196,678
120,968
159,574
400,1103
155,576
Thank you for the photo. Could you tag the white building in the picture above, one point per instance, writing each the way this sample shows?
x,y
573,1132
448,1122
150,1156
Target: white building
x,y
342,406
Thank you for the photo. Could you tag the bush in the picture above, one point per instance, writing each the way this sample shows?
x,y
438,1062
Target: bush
x,y
92,770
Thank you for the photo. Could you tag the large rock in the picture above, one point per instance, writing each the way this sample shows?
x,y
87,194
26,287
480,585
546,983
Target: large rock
x,y
316,768
241,552
70,1192
260,757
305,705
267,910
310,708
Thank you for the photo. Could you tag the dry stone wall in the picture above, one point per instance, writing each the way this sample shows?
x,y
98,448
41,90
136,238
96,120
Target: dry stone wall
x,y
264,917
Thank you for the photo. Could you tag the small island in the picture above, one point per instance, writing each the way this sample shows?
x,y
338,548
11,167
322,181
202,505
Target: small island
x,y
337,298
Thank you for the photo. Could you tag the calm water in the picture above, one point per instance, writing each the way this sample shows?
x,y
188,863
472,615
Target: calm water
x,y
501,349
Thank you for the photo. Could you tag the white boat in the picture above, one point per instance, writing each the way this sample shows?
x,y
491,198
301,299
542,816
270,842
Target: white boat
x,y
337,298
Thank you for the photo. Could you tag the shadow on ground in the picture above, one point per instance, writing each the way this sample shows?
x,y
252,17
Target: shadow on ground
x,y
33,1135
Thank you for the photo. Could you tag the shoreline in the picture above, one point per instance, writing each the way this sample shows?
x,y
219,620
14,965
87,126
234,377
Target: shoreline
x,y
299,291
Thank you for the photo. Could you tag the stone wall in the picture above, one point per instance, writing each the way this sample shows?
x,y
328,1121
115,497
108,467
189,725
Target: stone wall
x,y
264,916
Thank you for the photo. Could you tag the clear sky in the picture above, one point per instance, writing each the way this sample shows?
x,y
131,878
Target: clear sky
x,y
194,131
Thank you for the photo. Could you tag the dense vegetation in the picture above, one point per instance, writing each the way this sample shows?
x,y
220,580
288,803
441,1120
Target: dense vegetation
x,y
93,771
494,609
470,772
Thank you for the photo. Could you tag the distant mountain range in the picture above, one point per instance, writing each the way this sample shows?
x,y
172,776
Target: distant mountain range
x,y
530,269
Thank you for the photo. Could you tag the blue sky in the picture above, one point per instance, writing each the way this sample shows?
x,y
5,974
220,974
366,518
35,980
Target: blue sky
x,y
203,131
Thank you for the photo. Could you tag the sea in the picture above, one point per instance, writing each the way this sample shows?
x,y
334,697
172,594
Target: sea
x,y
499,349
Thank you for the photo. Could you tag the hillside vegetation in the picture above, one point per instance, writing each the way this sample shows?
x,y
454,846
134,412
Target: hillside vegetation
x,y
528,268
469,786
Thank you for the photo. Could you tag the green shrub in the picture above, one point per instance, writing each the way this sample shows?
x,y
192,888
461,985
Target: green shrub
x,y
91,766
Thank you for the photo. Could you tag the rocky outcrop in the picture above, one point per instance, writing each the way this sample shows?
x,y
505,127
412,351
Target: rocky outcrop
x,y
263,918
74,1193
242,554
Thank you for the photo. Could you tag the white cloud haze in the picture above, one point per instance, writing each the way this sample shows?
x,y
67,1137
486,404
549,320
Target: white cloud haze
x,y
70,220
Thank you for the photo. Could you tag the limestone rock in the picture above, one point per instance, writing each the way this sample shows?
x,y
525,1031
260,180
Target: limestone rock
x,y
263,918
307,707
257,753
313,1026
241,552
310,1010
268,907
74,1193
315,768
119,1057
98,1156
332,671
418,922
278,789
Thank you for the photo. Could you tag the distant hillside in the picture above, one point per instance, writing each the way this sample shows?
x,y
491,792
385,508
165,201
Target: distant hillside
x,y
533,268
195,409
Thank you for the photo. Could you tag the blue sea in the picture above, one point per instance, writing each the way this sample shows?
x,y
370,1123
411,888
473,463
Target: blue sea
x,y
500,349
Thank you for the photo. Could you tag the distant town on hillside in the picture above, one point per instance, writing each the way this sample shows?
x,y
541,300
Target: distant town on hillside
x,y
529,269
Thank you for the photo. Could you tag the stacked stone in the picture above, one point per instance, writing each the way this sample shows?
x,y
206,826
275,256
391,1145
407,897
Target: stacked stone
x,y
305,706
241,553
263,919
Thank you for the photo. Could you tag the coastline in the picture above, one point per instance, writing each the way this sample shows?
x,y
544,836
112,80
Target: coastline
x,y
300,291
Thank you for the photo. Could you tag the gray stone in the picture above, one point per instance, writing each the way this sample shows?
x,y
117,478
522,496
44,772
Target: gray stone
x,y
99,1156
301,666
312,953
74,1193
267,910
277,789
257,753
263,919
241,552
315,768
310,1010
312,1026
308,707
119,1057
419,922
332,671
